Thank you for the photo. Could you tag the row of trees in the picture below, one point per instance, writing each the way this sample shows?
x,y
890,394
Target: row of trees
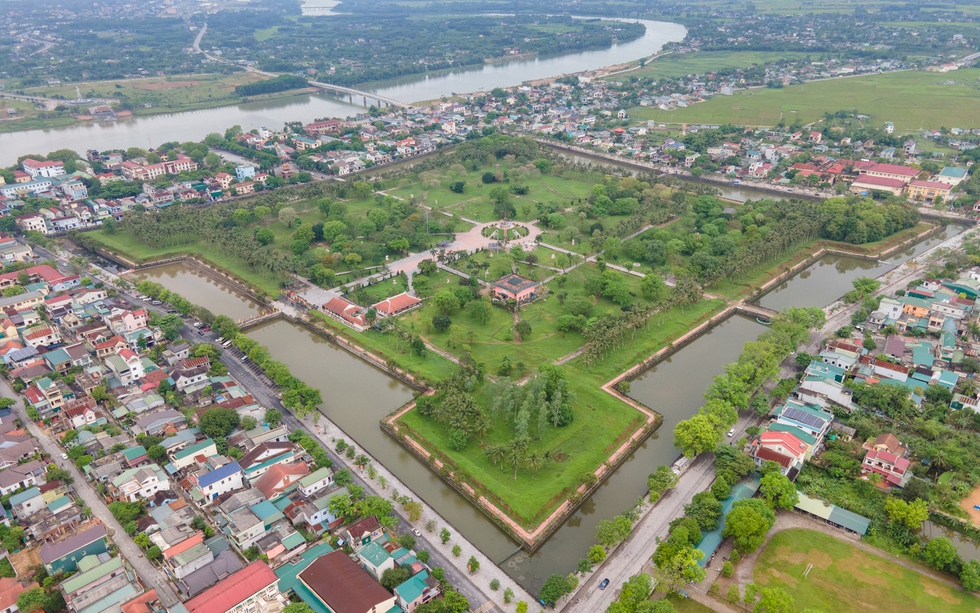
x,y
732,391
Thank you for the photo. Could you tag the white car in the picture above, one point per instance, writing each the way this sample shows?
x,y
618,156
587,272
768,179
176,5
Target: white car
x,y
64,456
731,433
416,532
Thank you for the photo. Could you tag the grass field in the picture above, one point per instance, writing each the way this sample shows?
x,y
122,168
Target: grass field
x,y
911,100
845,578
681,65
130,248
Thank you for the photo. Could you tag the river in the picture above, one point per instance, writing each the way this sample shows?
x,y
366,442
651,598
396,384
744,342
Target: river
x,y
830,277
153,130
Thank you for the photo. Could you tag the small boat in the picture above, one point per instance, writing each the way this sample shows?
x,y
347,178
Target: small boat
x,y
764,321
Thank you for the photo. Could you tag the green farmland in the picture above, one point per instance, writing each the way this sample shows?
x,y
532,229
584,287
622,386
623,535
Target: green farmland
x,y
911,100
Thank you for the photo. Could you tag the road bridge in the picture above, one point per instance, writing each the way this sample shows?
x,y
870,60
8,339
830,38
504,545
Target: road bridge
x,y
351,92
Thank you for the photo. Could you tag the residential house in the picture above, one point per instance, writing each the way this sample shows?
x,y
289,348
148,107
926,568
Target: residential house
x,y
417,590
362,532
63,556
26,503
10,590
189,455
339,585
314,482
261,458
126,366
894,468
280,478
224,479
253,589
139,483
374,559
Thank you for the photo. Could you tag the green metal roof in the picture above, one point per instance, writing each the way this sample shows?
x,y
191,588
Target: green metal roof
x,y
289,577
134,453
193,449
374,554
24,496
315,476
82,579
851,521
800,434
413,587
267,512
191,554
293,541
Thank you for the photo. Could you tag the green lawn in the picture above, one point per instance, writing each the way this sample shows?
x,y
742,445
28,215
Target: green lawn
x,y
128,247
845,578
911,100
601,421
432,367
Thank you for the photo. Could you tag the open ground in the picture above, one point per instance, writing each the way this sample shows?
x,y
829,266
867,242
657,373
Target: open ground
x,y
912,100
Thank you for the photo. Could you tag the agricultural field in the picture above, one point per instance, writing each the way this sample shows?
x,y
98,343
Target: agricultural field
x,y
845,578
162,94
681,65
912,100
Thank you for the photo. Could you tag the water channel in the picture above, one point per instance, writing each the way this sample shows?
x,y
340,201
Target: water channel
x,y
967,549
830,277
151,131
201,290
357,395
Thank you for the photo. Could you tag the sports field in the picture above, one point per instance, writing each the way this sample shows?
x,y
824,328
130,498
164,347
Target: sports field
x,y
845,578
911,100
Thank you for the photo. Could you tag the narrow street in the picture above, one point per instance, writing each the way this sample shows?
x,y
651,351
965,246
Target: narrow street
x,y
149,574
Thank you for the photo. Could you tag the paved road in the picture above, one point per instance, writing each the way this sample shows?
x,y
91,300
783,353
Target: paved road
x,y
148,573
630,557
200,35
247,375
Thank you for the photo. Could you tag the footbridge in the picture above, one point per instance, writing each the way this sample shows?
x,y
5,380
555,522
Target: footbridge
x,y
381,100
754,310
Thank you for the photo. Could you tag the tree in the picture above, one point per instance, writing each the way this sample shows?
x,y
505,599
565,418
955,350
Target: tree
x,y
457,550
444,536
508,595
696,435
287,216
446,302
155,452
775,600
705,510
297,607
473,564
661,481
393,577
940,553
248,423
218,423
970,576
523,329
33,600
273,417
554,588
521,606
909,514
153,553
747,524
779,491
597,554
634,592
441,323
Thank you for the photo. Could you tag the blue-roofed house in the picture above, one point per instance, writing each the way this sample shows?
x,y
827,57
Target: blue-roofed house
x,y
26,503
227,478
922,354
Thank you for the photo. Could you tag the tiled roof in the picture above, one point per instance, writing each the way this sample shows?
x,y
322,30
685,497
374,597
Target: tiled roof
x,y
233,590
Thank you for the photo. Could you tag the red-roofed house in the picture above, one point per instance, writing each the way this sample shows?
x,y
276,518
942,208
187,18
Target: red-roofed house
x,y
762,454
894,468
280,477
346,312
783,443
110,347
396,305
232,594
870,183
10,590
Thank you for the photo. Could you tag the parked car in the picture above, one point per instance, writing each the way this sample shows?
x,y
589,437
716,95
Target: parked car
x,y
416,532
604,584
156,303
731,433
64,456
